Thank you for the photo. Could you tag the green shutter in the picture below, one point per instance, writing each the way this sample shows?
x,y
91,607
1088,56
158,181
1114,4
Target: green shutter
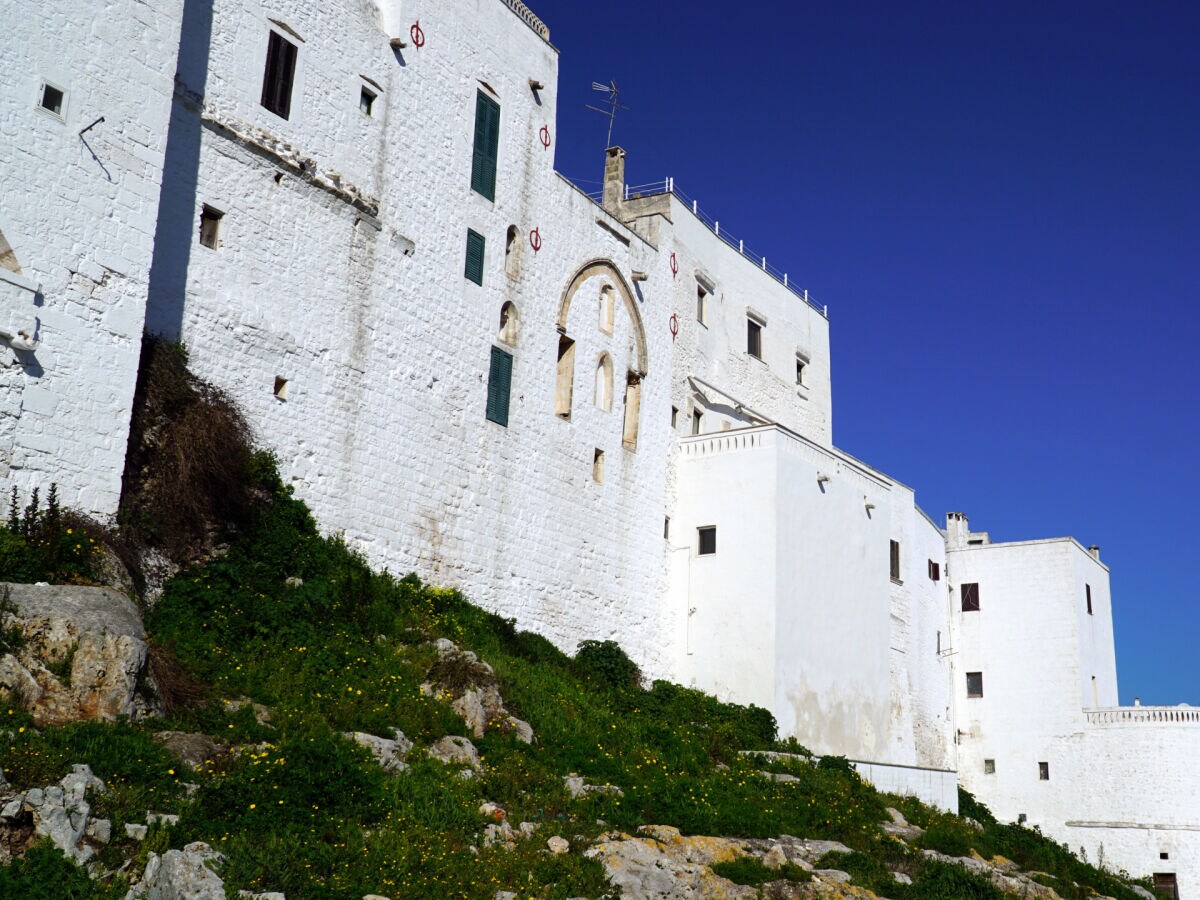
x,y
475,247
487,146
499,386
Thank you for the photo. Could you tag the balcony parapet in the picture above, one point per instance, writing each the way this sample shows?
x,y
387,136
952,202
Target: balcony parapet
x,y
1137,715
527,16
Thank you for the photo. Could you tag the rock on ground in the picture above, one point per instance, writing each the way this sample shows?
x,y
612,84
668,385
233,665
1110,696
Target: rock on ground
x,y
479,705
663,865
59,812
454,749
389,753
193,750
97,629
186,874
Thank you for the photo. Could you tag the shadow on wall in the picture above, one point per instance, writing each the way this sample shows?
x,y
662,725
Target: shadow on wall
x,y
177,209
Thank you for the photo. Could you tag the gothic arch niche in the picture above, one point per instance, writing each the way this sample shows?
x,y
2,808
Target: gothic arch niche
x,y
509,320
605,268
8,258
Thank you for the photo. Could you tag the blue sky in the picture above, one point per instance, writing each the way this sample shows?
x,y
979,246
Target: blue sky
x,y
1000,203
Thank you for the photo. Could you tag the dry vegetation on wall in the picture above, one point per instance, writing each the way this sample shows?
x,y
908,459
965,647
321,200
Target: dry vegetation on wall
x,y
316,730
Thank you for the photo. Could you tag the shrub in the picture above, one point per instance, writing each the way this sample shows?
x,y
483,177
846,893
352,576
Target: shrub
x,y
607,664
52,544
948,835
43,872
945,881
750,870
970,808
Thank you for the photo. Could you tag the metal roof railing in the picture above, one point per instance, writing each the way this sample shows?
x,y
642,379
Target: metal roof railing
x,y
667,186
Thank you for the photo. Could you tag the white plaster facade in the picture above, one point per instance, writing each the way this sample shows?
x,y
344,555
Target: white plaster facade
x,y
335,309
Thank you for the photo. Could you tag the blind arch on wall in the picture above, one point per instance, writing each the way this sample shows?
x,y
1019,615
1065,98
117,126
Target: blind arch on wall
x,y
607,269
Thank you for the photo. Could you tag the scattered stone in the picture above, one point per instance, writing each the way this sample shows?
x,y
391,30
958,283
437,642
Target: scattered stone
x,y
775,858
98,629
901,878
479,703
662,864
389,753
187,873
778,776
504,895
12,810
899,827
577,788
454,749
375,897
557,845
136,832
193,750
294,582
100,830
262,714
269,895
492,811
167,819
837,876
527,829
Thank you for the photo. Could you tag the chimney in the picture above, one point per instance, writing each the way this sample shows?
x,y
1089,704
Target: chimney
x,y
614,179
1095,551
957,530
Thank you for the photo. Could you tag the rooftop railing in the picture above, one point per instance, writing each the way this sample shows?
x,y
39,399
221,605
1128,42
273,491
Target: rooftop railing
x,y
529,18
667,186
1134,715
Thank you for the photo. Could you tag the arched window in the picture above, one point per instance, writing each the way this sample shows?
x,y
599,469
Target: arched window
x,y
633,405
604,382
607,304
565,380
512,253
508,324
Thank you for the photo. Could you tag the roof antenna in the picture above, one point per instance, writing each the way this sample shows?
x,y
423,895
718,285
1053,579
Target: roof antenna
x,y
611,105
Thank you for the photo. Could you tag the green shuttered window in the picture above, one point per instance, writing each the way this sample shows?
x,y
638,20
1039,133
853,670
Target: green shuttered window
x,y
487,146
499,386
475,247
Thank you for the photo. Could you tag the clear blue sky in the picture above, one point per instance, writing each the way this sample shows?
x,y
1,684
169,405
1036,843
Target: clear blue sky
x,y
1001,205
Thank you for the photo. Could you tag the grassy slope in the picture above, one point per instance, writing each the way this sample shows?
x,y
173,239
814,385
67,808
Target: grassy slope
x,y
308,813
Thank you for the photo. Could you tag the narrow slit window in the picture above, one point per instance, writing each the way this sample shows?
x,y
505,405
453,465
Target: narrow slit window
x,y
706,540
604,382
486,153
512,252
279,75
633,408
598,466
565,377
800,366
754,338
970,597
894,562
935,571
1088,590
674,417
366,101
210,227
701,304
666,528
607,307
499,386
1043,771
697,421
476,246
974,684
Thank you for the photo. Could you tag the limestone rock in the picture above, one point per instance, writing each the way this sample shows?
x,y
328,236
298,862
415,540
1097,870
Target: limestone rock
x,y
59,812
577,787
558,845
389,753
479,703
135,831
186,874
775,858
454,749
193,750
834,875
262,714
663,865
97,630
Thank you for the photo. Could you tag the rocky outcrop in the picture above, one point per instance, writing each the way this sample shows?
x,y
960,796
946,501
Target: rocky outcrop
x,y
661,864
60,812
77,653
470,686
193,750
187,874
389,753
454,749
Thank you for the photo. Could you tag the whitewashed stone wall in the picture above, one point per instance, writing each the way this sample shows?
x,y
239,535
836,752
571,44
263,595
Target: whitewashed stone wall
x,y
78,213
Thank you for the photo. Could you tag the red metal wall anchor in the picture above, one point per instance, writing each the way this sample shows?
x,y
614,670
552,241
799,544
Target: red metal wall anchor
x,y
674,266
674,326
417,35
544,135
535,240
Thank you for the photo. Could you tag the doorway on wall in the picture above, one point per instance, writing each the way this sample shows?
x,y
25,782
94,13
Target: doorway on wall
x,y
1166,884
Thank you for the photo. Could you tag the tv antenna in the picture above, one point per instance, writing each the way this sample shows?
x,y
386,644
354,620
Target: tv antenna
x,y
611,105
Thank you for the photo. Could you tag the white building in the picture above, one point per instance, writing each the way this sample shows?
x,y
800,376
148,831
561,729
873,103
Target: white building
x,y
601,418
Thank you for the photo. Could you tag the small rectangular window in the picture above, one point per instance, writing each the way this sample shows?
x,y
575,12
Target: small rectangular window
x,y
52,99
989,767
701,304
707,537
598,466
210,227
499,386
486,154
281,388
935,571
1164,856
1043,771
1088,587
697,421
674,417
974,684
475,250
895,560
800,366
366,101
666,528
970,597
754,338
279,75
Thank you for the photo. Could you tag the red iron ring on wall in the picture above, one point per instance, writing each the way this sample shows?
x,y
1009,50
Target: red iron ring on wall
x,y
417,35
544,135
535,240
674,266
674,326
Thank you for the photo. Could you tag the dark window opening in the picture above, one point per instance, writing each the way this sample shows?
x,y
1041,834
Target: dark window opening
x,y
1088,587
754,338
52,99
667,528
697,421
281,388
674,416
708,540
499,386
895,560
1164,856
701,305
974,684
989,767
800,371
475,249
1043,771
598,466
279,76
210,227
366,101
935,571
970,597
487,146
